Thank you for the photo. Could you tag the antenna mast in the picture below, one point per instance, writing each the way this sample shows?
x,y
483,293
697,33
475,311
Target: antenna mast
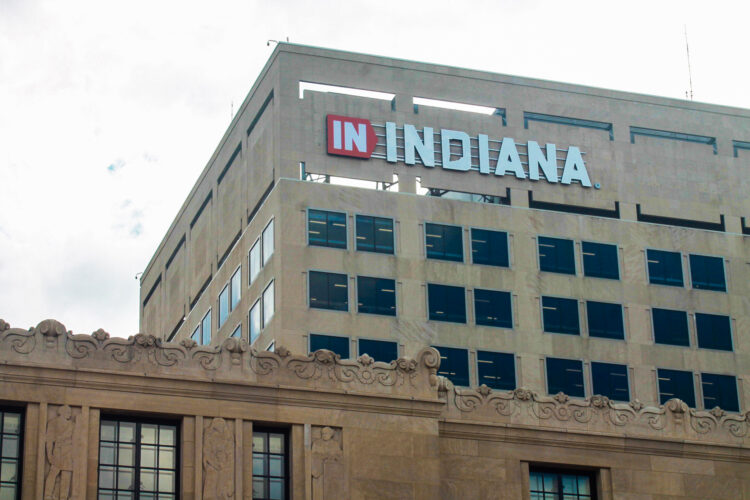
x,y
690,72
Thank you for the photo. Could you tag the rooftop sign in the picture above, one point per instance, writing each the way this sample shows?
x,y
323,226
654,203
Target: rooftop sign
x,y
455,150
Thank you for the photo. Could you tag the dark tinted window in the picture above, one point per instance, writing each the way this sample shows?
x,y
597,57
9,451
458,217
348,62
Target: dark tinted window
x,y
326,229
611,380
714,331
493,308
446,303
444,242
556,255
374,234
339,345
376,295
560,315
329,291
489,247
496,370
707,273
664,268
600,260
605,320
721,391
454,364
676,384
565,375
379,350
670,327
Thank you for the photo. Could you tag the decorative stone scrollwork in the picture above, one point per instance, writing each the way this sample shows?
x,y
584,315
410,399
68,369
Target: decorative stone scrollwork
x,y
51,329
20,341
235,347
3,325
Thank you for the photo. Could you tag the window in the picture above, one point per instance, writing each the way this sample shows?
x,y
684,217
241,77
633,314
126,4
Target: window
x,y
556,255
670,327
270,464
267,242
444,242
548,484
610,380
600,260
223,306
326,229
496,370
605,320
379,350
493,308
235,289
11,442
137,460
254,261
707,273
489,247
237,333
329,291
560,315
269,305
676,384
254,321
664,268
565,375
454,364
721,391
339,345
202,333
376,296
446,303
374,234
714,331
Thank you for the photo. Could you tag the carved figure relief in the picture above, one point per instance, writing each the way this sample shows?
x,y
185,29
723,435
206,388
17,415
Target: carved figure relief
x,y
58,449
328,476
218,461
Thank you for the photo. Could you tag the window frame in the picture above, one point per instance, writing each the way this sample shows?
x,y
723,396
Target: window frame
x,y
539,255
238,326
337,335
371,339
692,380
263,257
395,298
583,376
697,336
515,366
348,298
138,421
250,278
287,455
474,301
424,242
219,322
468,360
427,297
622,312
21,410
648,271
508,235
593,476
723,269
653,328
393,226
307,228
617,260
238,269
264,323
578,312
736,388
259,304
627,376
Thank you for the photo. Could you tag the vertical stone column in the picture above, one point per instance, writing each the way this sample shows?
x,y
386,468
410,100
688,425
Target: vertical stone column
x,y
81,454
41,433
198,468
297,480
247,458
238,458
188,458
92,465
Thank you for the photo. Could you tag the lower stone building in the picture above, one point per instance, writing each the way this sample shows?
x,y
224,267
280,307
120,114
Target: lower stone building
x,y
89,416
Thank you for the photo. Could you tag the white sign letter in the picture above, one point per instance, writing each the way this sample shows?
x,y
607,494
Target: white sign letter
x,y
464,162
537,159
390,142
575,169
508,160
337,134
425,149
484,154
353,137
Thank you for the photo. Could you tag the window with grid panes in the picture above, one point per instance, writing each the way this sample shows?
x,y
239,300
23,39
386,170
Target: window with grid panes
x,y
270,465
553,485
10,454
138,460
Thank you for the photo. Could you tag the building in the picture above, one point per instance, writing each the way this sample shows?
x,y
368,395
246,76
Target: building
x,y
577,256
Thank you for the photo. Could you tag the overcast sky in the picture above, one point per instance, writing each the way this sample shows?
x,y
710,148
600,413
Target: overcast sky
x,y
110,110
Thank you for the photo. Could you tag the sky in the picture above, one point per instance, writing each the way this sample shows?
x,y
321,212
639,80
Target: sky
x,y
110,110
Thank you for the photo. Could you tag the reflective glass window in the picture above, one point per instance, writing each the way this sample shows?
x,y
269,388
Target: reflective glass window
x,y
267,238
444,242
714,331
269,305
11,444
707,273
237,333
379,350
664,268
339,345
496,370
556,255
223,306
254,261
254,321
565,375
376,296
270,464
670,327
326,229
206,329
493,308
676,384
610,380
489,247
560,315
446,303
328,291
605,320
721,391
374,234
547,484
600,260
236,289
454,364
